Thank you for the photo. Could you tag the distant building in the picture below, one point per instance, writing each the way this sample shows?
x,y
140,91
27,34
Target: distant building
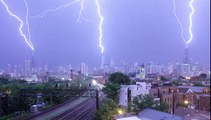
x,y
185,70
102,61
142,72
155,69
186,59
27,68
83,68
170,69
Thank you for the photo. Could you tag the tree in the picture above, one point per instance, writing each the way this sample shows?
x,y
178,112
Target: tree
x,y
107,110
162,107
4,81
139,103
119,78
176,82
142,102
199,84
111,90
162,78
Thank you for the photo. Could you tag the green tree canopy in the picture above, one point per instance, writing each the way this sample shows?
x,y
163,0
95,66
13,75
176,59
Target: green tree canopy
x,y
162,107
107,110
162,78
199,84
4,81
176,82
119,78
111,90
142,102
139,103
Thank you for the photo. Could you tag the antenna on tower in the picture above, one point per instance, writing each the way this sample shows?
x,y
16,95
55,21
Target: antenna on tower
x,y
102,61
33,62
186,55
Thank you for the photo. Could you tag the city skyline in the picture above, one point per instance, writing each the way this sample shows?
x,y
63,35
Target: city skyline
x,y
136,34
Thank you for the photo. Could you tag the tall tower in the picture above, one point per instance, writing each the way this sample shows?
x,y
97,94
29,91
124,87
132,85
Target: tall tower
x,y
185,67
186,55
33,62
102,61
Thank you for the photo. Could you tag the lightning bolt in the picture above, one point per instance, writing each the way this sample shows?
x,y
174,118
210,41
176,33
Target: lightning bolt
x,y
180,23
80,12
191,21
43,14
81,17
27,22
100,26
21,25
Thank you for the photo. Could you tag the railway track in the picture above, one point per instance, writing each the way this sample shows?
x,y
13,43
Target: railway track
x,y
49,110
78,108
79,112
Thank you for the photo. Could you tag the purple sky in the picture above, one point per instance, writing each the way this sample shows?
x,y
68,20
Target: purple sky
x,y
134,31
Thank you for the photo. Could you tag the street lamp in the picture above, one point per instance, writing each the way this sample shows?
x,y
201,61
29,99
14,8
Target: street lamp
x,y
120,111
94,82
186,102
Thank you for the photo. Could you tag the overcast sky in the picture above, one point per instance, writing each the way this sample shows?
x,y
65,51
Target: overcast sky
x,y
133,30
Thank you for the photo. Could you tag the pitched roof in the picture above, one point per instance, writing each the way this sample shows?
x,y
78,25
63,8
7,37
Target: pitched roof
x,y
193,88
150,114
185,90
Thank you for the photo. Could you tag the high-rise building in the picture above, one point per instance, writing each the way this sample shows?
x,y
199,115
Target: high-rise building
x,y
27,68
102,61
186,56
155,69
195,70
8,69
142,72
33,62
185,70
177,69
185,67
83,68
170,69
112,63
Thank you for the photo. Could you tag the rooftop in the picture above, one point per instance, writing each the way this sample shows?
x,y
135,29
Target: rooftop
x,y
189,114
193,88
150,114
130,118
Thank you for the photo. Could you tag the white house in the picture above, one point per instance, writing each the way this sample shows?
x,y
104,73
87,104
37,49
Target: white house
x,y
141,88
